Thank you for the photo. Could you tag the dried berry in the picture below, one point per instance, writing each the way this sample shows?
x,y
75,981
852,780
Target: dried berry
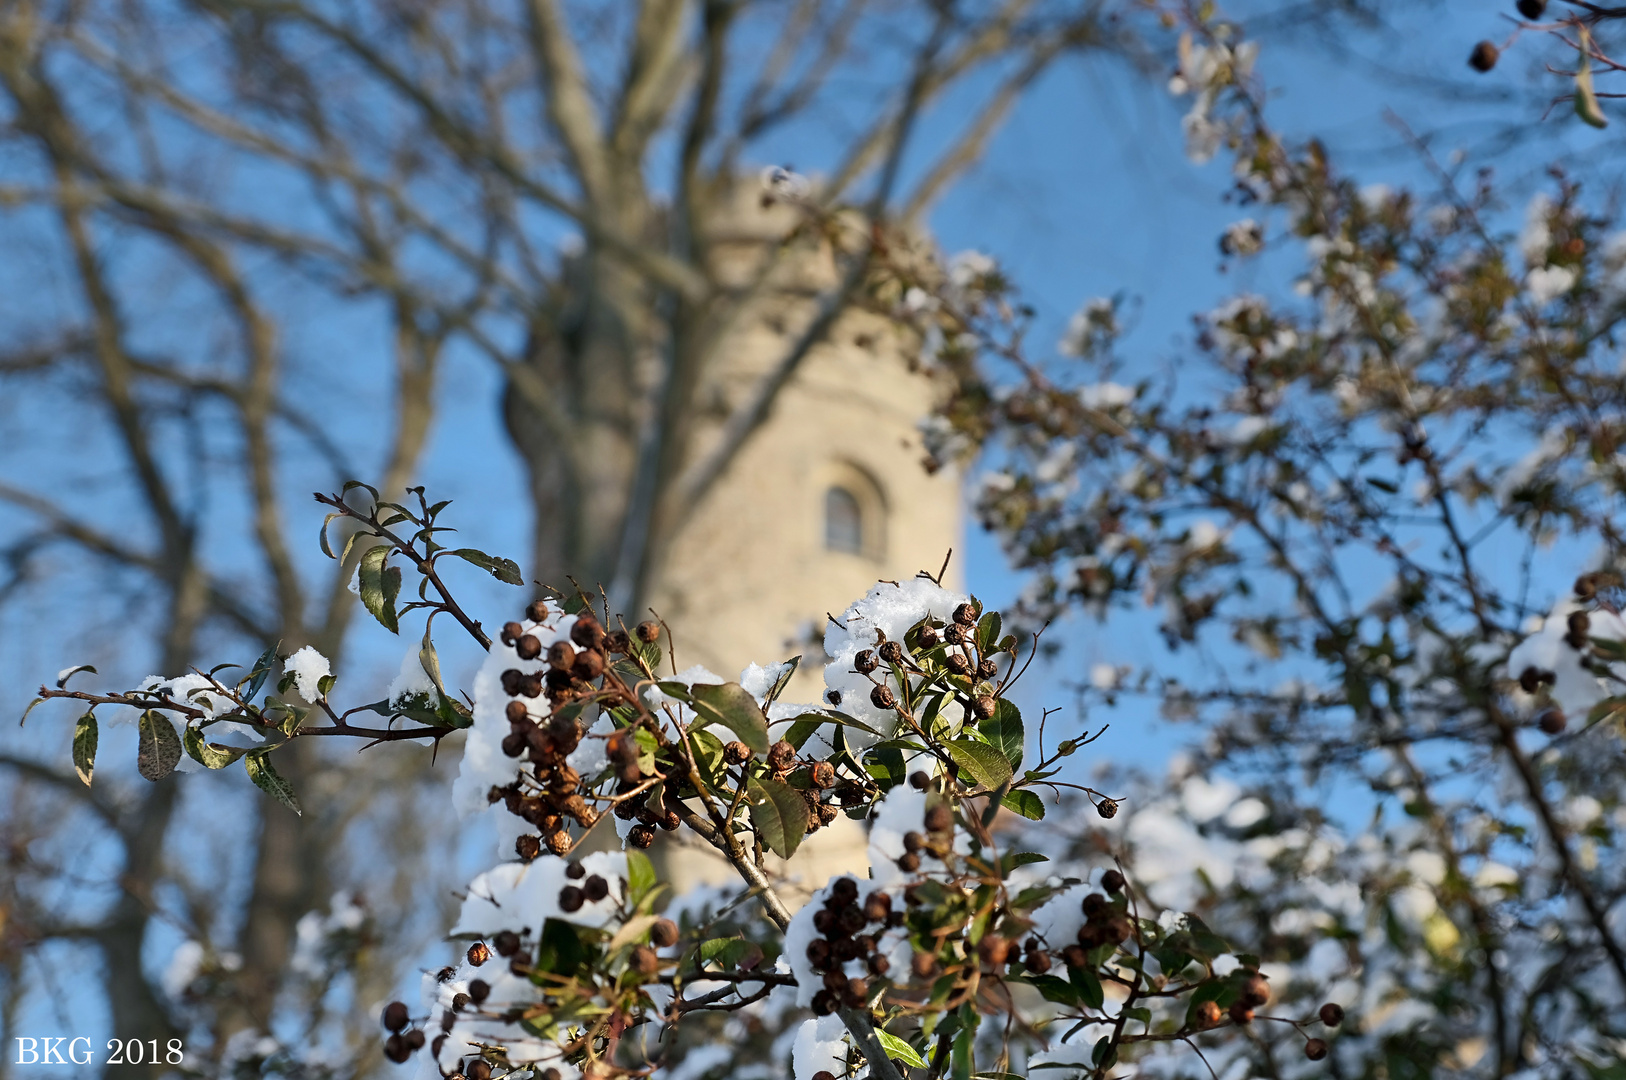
x,y
537,611
780,755
663,934
922,965
1037,963
865,662
587,633
528,847
1332,1014
575,871
857,991
1094,905
954,634
1208,1014
1112,881
1315,1049
985,707
939,818
1255,990
1552,721
514,743
823,774
479,990
595,888
1530,680
929,637
511,632
1530,9
460,1002
994,950
617,643
517,713
736,753
395,1048
824,1074
395,1016
959,663
919,780
877,906
965,615
908,862
670,821
835,981
558,842
1483,58
641,836
1240,1013
1107,808
824,1003
478,1070
589,665
892,652
913,842
648,632
510,681
507,943
833,697
1074,956
818,953
644,961
571,899
879,965
528,647
987,669
479,953
1116,930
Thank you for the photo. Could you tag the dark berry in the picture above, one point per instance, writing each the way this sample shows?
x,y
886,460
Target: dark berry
x,y
1483,58
528,647
663,934
1316,1049
1332,1014
479,953
1112,881
395,1016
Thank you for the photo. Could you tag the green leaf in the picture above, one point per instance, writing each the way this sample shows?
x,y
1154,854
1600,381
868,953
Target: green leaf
x,y
1089,987
268,780
1011,860
988,634
886,764
28,710
322,536
504,570
262,670
733,707
351,485
62,680
783,681
379,586
731,952
1586,101
209,755
778,813
1026,803
1604,708
897,1048
641,876
1051,988
84,747
1003,730
985,764
158,748
429,659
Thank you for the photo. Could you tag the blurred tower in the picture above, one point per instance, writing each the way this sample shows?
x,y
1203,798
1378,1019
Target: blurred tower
x,y
827,498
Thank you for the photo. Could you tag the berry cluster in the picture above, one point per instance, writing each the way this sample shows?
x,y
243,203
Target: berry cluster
x,y
849,931
552,794
953,648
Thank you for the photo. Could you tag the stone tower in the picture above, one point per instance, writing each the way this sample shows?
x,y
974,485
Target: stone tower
x,y
827,498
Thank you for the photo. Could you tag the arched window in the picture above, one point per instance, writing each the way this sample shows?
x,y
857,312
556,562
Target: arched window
x,y
843,521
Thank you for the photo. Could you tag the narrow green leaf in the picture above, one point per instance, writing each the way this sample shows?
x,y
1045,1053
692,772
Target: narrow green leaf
x,y
897,1048
988,634
641,876
262,670
268,780
778,813
84,747
62,679
1586,100
783,681
985,764
1089,987
28,710
504,570
322,536
429,659
209,755
158,749
1026,803
1011,860
376,592
351,485
731,953
733,707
